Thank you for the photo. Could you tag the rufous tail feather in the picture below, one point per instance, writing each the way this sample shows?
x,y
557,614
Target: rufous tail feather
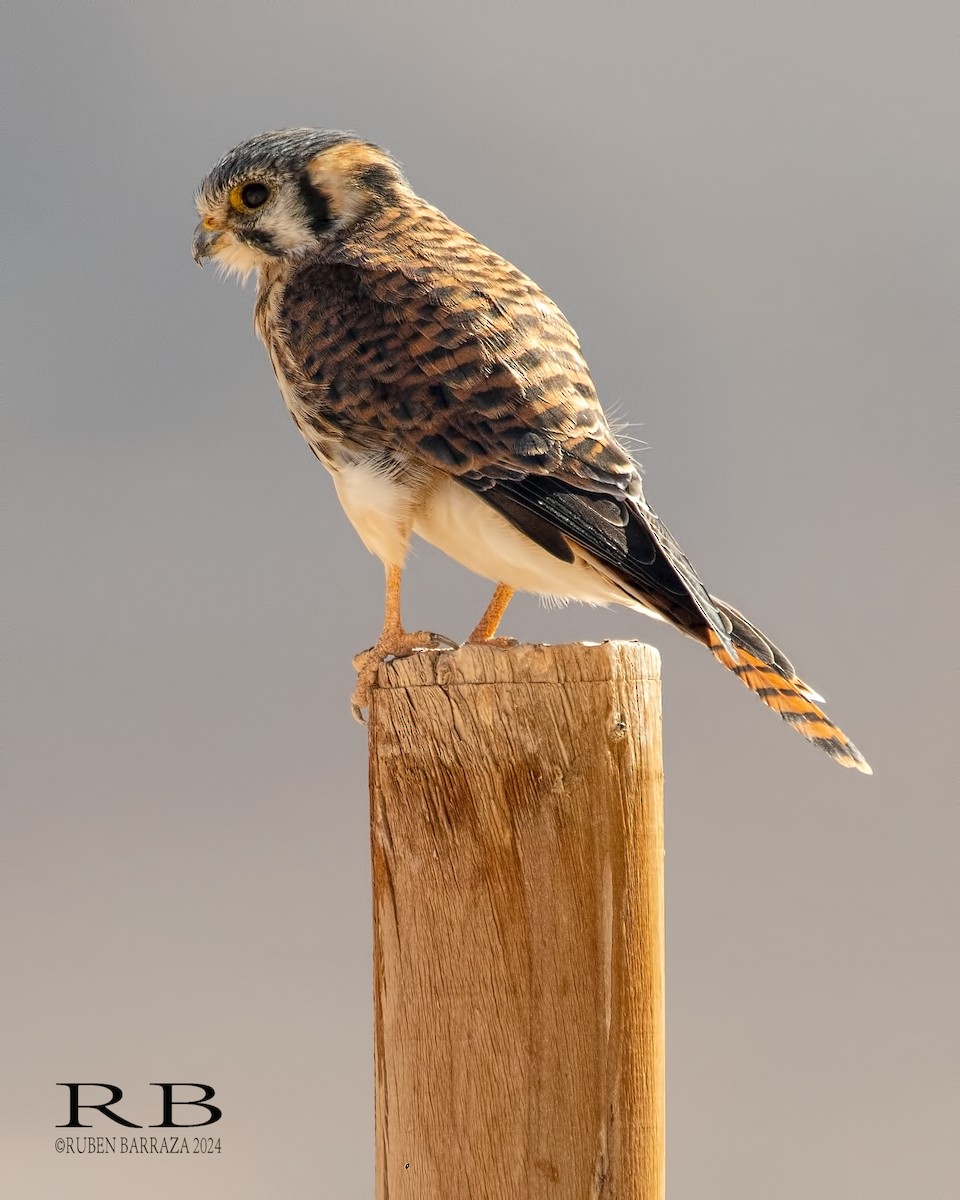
x,y
769,673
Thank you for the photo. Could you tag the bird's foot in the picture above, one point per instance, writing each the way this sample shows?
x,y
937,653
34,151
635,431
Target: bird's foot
x,y
394,643
502,643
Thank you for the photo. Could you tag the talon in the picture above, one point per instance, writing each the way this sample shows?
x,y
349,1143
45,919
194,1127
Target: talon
x,y
366,677
434,641
359,658
393,644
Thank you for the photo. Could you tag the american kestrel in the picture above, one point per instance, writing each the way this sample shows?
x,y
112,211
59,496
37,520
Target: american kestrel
x,y
448,397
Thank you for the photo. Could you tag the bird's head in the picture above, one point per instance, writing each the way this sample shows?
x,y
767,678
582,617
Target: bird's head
x,y
284,193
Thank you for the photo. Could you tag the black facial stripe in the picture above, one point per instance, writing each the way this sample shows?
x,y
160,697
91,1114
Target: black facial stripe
x,y
257,237
316,205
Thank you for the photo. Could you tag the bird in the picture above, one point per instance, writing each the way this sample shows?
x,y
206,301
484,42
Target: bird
x,y
448,397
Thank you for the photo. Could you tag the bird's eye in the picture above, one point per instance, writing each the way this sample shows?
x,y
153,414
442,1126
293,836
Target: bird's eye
x,y
250,196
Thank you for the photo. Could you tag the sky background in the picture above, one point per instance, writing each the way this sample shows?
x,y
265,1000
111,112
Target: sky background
x,y
748,212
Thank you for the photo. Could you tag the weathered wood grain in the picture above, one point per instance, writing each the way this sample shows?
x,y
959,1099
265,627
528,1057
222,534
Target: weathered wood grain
x,y
517,839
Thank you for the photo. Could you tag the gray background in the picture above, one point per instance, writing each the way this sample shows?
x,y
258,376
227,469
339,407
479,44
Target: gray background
x,y
745,209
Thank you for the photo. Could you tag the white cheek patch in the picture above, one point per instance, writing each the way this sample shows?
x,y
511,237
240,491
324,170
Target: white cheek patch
x,y
286,223
283,221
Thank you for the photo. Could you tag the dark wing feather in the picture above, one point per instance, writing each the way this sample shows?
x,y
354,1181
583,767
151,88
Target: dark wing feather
x,y
623,534
413,333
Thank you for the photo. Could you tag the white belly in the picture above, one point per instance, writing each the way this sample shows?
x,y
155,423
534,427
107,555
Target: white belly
x,y
459,523
385,502
379,506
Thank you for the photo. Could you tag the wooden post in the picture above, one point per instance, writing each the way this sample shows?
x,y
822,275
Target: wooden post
x,y
517,839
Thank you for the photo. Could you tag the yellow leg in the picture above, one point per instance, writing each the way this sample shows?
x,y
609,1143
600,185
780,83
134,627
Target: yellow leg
x,y
391,605
393,642
488,623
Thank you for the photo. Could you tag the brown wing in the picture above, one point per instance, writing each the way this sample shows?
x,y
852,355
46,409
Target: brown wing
x,y
414,335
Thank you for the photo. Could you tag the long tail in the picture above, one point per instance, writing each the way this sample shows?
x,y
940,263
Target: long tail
x,y
625,541
769,673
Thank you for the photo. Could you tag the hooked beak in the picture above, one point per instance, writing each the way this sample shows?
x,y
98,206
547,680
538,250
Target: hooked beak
x,y
205,242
